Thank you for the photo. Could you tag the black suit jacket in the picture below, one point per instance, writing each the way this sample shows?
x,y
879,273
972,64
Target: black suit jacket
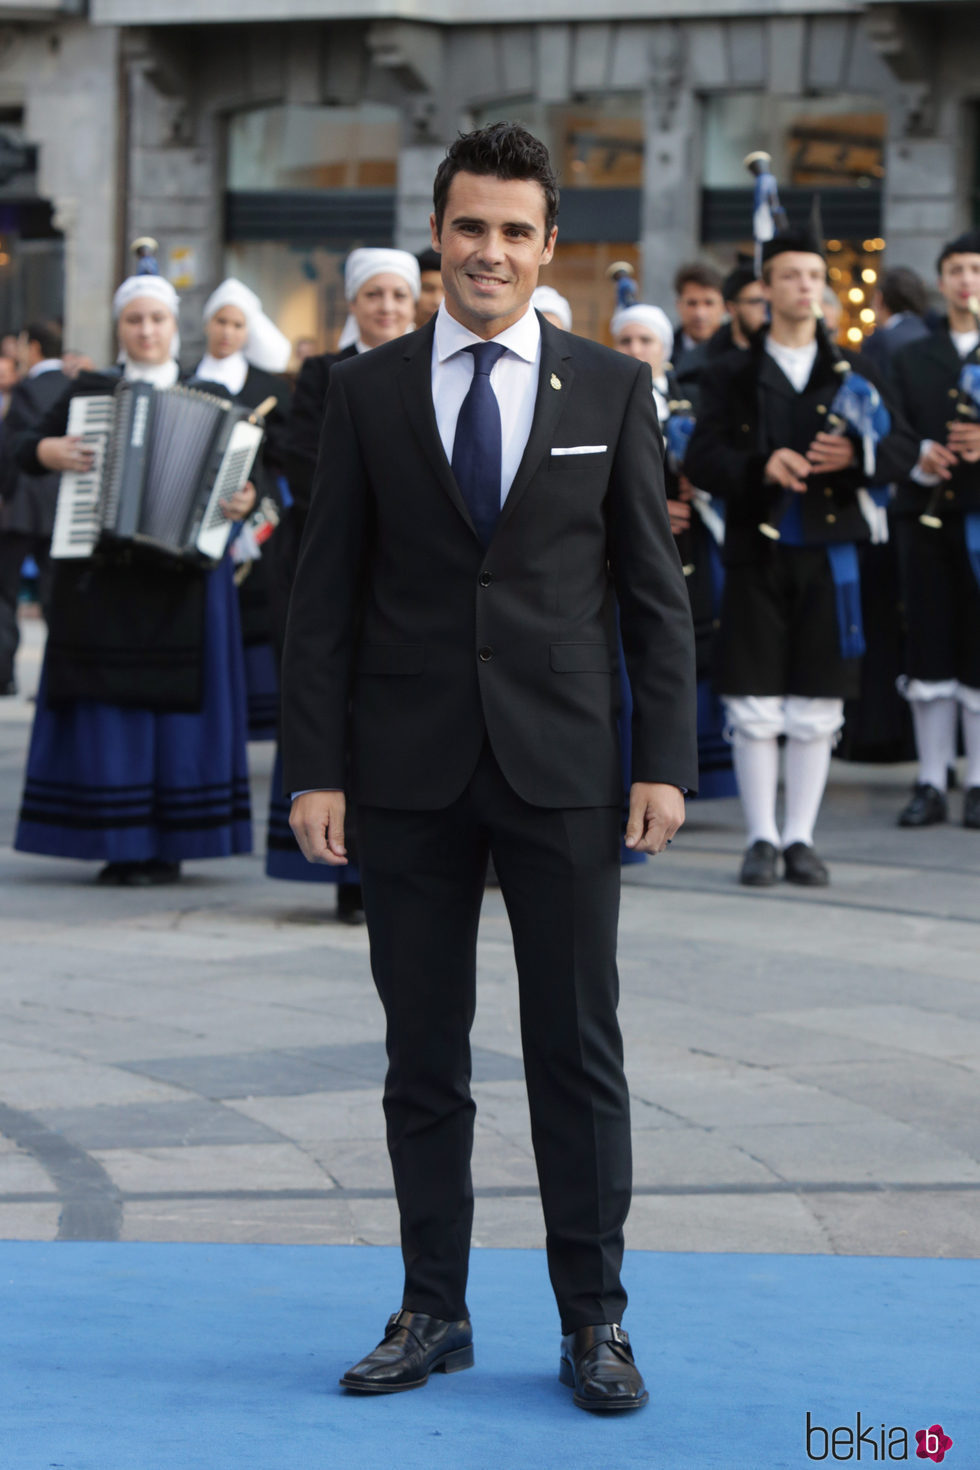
x,y
409,644
925,375
881,347
749,408
306,422
29,501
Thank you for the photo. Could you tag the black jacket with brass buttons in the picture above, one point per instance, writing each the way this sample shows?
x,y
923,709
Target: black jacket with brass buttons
x,y
749,409
925,378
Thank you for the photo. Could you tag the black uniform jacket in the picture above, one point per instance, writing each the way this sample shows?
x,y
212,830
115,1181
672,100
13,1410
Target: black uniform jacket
x,y
924,378
306,422
409,644
748,409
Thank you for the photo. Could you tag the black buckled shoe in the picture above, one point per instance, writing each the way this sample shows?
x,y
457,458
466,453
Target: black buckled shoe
x,y
804,867
413,1347
759,865
597,1362
926,807
971,807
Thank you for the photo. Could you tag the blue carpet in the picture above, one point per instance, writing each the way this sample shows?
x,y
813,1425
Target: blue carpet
x,y
214,1357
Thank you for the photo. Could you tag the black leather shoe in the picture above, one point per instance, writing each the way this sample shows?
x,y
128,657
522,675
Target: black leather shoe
x,y
413,1347
971,807
759,865
802,866
926,807
597,1362
350,903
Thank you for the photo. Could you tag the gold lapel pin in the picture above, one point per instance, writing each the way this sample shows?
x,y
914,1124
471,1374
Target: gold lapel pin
x,y
555,381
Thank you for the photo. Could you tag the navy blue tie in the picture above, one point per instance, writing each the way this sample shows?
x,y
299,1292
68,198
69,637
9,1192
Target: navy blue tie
x,y
476,447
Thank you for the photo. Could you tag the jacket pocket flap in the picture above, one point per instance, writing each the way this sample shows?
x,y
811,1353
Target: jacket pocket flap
x,y
581,658
390,658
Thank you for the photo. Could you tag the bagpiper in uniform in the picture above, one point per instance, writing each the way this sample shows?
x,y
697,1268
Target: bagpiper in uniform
x,y
937,528
788,651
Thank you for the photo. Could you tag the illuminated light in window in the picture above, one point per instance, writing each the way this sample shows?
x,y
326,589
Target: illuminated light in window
x,y
854,334
855,294
867,315
833,244
869,275
4,258
870,246
879,243
834,273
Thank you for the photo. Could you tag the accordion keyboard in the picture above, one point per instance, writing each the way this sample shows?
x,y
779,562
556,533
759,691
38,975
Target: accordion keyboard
x,y
77,522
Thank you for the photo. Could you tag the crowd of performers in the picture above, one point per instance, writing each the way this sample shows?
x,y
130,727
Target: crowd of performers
x,y
825,504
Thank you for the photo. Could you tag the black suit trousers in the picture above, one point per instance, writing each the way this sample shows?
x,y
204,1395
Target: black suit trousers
x,y
423,876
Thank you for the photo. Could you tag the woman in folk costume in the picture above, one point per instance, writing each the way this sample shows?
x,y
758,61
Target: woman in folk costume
x,y
382,288
247,354
137,757
644,332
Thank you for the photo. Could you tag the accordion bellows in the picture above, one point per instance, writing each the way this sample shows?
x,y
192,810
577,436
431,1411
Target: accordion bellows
x,y
165,458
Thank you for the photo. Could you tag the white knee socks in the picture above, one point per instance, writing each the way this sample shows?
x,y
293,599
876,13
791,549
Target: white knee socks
x,y
935,738
807,767
757,773
971,743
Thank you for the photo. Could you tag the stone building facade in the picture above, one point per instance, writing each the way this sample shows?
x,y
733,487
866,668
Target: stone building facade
x,y
272,147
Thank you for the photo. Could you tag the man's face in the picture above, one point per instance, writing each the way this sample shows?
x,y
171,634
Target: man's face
x,y
8,374
700,309
430,297
959,280
749,308
493,243
796,282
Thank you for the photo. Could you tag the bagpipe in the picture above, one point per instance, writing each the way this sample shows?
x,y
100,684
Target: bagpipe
x,y
967,410
677,436
856,409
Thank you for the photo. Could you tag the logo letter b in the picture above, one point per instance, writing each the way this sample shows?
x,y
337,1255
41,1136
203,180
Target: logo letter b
x,y
811,1431
932,1443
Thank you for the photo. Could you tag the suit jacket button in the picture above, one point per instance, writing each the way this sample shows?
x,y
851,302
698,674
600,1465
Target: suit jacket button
x,y
828,492
831,520
486,654
821,408
486,578
950,494
745,429
954,392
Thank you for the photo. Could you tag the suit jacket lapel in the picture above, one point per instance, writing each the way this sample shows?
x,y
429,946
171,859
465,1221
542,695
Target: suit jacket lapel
x,y
415,384
556,364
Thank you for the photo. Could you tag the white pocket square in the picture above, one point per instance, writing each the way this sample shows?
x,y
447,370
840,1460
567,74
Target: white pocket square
x,y
582,449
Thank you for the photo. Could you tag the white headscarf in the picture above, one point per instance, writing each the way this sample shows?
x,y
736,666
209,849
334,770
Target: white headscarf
x,y
646,316
547,299
265,346
362,266
157,288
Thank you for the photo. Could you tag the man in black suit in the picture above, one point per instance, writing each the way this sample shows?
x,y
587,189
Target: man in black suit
x,y
27,503
484,486
900,302
939,558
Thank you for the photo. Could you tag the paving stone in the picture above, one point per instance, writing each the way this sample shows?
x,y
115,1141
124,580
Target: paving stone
x,y
256,1167
156,1125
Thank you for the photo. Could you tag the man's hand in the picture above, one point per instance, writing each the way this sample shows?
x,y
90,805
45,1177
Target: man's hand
x,y
964,440
656,813
936,460
787,468
680,516
317,820
831,452
67,452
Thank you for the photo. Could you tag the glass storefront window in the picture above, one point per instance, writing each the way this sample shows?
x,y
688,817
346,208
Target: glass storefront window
x,y
830,142
314,148
595,143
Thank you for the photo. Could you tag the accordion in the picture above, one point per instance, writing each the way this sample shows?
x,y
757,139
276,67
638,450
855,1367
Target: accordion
x,y
164,459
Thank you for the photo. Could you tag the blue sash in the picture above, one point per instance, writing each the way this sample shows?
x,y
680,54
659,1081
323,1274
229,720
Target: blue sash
x,y
971,525
844,569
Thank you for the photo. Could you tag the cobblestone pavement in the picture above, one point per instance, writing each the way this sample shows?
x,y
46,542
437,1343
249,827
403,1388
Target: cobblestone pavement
x,y
204,1062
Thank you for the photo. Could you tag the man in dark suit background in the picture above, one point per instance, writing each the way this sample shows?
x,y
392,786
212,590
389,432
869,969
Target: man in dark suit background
x,y
900,301
27,502
484,486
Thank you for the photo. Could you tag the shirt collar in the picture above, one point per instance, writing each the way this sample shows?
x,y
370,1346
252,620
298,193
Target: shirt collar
x,y
46,365
523,338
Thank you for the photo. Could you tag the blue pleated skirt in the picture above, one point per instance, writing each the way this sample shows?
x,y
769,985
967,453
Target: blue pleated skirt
x,y
283,858
113,784
262,690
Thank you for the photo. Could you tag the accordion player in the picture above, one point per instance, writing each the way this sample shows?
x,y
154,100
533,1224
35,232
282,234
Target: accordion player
x,y
164,460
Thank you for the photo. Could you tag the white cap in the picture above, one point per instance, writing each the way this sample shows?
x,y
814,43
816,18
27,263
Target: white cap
x,y
547,299
646,316
265,346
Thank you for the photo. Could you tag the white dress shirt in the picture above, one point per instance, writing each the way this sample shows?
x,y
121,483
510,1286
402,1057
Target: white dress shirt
x,y
514,381
230,371
964,342
796,362
46,365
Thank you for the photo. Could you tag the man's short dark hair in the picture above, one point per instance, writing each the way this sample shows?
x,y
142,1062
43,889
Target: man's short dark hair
x,y
697,274
47,335
503,151
429,260
736,281
903,290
